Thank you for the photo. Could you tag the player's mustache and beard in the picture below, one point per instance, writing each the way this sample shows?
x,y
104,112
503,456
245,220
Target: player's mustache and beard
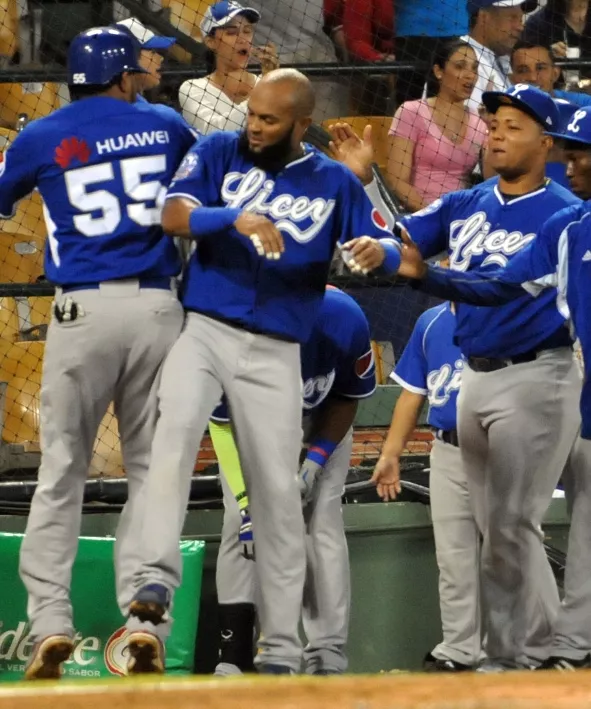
x,y
272,158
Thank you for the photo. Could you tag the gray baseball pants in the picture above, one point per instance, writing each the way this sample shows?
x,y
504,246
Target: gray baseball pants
x,y
260,376
517,426
112,353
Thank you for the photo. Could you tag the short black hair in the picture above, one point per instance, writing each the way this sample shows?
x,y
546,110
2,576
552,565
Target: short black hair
x,y
523,44
78,92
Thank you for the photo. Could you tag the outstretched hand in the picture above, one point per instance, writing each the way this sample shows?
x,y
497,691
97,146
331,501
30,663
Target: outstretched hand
x,y
412,264
351,150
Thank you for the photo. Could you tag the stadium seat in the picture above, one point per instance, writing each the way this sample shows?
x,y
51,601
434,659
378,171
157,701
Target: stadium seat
x,y
8,28
20,369
380,126
186,16
35,99
21,257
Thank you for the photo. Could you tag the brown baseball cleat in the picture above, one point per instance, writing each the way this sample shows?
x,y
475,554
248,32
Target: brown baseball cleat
x,y
146,654
48,656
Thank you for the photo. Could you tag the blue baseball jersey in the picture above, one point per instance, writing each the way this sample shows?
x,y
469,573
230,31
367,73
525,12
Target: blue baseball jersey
x,y
432,365
481,228
561,255
102,167
337,358
314,201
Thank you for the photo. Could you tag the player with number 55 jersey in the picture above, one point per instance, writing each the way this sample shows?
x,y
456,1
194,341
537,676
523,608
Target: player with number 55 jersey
x,y
102,166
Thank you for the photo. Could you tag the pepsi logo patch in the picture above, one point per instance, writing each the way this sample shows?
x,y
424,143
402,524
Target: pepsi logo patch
x,y
187,166
364,366
378,220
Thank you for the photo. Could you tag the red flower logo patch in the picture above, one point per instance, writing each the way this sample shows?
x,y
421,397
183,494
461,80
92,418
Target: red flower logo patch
x,y
71,149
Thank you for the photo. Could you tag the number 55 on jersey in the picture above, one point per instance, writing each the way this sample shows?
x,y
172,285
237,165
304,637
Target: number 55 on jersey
x,y
98,201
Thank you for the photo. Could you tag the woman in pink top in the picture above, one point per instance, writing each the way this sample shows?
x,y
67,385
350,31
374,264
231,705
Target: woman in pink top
x,y
436,142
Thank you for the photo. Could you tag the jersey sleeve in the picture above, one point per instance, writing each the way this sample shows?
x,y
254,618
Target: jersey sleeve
x,y
356,372
199,177
359,217
411,370
429,227
18,172
534,268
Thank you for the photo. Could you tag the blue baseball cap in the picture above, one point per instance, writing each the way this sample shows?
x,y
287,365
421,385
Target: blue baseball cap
x,y
221,13
577,129
533,101
145,37
526,5
566,110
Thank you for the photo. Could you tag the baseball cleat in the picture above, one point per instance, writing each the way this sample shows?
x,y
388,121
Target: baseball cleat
x,y
146,654
48,656
565,664
435,664
150,604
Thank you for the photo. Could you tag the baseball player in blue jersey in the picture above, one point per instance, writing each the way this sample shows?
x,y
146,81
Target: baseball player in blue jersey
x,y
517,417
431,367
560,254
102,166
337,368
266,213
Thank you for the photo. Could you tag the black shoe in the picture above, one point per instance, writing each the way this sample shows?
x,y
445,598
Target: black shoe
x,y
434,664
565,664
275,670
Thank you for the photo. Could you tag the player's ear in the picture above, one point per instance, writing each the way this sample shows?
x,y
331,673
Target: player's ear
x,y
547,141
302,125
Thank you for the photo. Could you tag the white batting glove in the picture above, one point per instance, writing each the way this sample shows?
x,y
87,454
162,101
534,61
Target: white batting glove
x,y
308,476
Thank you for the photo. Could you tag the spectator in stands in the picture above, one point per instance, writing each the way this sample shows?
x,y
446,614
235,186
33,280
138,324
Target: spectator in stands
x,y
153,48
218,101
533,63
436,141
495,27
562,24
368,27
422,27
296,27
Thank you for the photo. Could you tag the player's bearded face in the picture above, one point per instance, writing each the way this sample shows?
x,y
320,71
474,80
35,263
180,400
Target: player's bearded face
x,y
266,154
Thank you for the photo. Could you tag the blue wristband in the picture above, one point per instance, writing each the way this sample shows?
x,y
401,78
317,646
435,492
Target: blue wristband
x,y
208,220
392,256
320,450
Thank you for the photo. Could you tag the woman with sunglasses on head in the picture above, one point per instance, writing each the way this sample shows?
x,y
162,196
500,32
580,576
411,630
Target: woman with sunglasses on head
x,y
218,100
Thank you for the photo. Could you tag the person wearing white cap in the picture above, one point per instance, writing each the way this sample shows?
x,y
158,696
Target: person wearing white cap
x,y
152,49
495,27
218,100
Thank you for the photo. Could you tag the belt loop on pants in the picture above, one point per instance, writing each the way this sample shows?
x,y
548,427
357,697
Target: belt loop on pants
x,y
450,437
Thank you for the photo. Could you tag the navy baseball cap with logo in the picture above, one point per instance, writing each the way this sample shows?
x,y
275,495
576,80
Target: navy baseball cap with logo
x,y
577,130
533,101
526,5
221,13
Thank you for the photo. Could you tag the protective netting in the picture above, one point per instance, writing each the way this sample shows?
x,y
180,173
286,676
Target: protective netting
x,y
395,64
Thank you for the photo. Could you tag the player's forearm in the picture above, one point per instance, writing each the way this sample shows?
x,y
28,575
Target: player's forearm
x,y
182,217
404,421
334,420
472,287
